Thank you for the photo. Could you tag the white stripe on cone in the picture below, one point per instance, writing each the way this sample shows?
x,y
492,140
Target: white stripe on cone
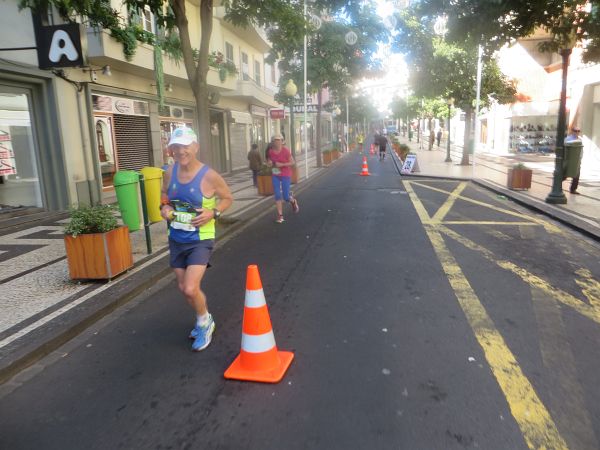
x,y
255,299
258,343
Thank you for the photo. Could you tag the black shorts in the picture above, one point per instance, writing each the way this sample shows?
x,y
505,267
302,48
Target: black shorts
x,y
190,254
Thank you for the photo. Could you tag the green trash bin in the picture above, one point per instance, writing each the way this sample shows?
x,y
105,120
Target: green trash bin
x,y
572,159
152,188
127,189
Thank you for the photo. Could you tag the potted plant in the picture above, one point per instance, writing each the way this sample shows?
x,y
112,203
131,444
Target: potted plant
x,y
264,180
335,153
97,246
519,177
326,157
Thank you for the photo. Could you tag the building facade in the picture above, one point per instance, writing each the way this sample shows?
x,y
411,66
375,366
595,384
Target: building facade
x,y
66,131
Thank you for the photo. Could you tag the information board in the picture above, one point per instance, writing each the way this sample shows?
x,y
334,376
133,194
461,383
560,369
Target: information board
x,y
410,164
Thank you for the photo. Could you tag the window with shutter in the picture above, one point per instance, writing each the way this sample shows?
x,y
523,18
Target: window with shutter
x,y
132,136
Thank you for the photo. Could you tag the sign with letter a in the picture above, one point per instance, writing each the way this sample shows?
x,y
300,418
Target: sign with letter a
x,y
410,164
60,46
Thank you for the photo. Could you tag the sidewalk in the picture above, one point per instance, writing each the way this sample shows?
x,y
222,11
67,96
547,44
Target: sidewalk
x,y
581,212
41,308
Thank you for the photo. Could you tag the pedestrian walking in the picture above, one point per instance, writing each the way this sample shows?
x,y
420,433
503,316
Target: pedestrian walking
x,y
573,136
439,137
431,139
189,204
255,162
281,161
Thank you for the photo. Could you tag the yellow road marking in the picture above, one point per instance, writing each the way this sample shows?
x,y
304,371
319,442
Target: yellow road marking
x,y
589,286
441,213
548,226
535,422
566,396
529,278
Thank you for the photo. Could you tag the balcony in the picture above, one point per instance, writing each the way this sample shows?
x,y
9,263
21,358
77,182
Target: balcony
x,y
102,50
252,93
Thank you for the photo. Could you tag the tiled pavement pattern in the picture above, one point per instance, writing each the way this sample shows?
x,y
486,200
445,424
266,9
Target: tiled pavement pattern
x,y
34,278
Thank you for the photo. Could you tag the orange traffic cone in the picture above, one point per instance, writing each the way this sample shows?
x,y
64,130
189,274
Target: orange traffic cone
x,y
365,168
259,359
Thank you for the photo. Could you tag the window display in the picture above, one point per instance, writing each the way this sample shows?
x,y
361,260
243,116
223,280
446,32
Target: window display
x,y
533,134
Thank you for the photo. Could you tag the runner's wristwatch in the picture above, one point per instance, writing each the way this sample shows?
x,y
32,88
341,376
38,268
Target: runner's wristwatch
x,y
216,213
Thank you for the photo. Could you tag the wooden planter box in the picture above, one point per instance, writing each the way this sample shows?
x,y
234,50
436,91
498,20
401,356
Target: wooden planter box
x,y
100,255
326,158
335,154
519,178
265,185
294,174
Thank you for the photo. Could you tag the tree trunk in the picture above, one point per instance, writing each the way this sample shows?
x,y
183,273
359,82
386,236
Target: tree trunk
x,y
318,130
197,71
468,140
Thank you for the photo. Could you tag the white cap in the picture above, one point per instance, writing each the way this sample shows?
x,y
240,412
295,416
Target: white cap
x,y
182,136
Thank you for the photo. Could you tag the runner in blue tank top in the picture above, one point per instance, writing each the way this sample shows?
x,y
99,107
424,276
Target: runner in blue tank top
x,y
189,204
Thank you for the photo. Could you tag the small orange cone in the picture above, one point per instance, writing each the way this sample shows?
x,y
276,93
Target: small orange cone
x,y
365,168
259,359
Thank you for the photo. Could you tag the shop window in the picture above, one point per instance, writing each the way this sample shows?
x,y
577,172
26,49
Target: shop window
x,y
106,150
19,180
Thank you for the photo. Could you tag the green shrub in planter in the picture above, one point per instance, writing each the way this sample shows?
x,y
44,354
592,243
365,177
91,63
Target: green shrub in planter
x,y
91,219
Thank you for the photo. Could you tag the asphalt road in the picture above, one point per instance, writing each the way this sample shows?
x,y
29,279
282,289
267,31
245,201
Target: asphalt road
x,y
423,314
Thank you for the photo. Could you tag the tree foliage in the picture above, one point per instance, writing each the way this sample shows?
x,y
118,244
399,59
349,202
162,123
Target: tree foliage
x,y
495,23
332,62
446,69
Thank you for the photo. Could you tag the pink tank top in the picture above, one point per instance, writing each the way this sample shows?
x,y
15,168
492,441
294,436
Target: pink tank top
x,y
283,156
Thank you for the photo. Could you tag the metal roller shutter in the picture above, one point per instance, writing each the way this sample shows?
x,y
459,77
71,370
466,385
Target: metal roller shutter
x,y
132,135
239,146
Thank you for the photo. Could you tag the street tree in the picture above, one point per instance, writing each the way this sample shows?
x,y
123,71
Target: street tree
x,y
495,23
342,42
283,17
444,69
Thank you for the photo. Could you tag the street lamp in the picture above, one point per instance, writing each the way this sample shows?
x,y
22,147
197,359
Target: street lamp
x,y
290,90
450,103
556,196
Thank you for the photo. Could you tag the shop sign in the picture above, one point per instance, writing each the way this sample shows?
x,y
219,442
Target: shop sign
x,y
119,105
277,113
7,156
309,108
59,46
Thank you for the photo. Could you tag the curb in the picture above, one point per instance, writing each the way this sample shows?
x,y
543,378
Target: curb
x,y
570,220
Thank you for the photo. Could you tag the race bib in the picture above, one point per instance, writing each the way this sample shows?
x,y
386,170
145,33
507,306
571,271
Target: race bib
x,y
276,171
183,221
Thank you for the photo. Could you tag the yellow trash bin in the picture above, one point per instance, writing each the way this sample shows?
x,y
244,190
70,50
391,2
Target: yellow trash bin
x,y
152,188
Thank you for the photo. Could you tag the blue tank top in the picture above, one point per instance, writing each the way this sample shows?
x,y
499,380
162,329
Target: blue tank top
x,y
185,199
